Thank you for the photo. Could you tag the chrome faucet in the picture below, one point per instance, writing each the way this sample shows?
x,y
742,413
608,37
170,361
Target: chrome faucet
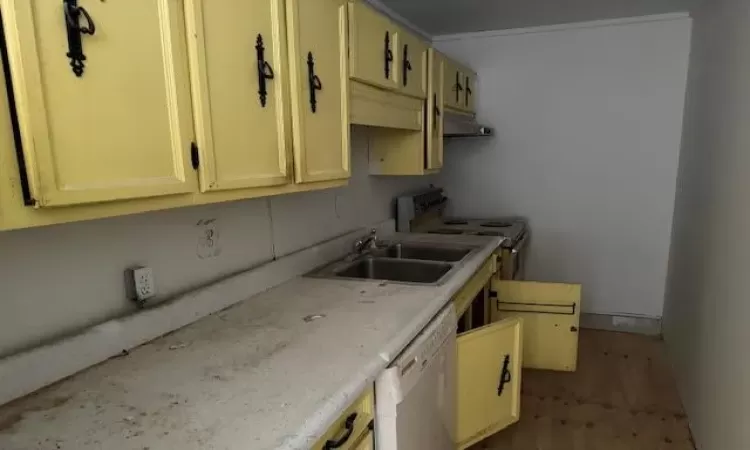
x,y
368,242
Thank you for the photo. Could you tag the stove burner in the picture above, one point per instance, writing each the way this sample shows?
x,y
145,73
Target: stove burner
x,y
455,222
497,224
491,233
445,231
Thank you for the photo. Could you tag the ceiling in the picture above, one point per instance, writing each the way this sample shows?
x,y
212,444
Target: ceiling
x,y
438,17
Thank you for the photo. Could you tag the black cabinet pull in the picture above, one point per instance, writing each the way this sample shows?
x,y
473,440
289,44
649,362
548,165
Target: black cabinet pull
x,y
315,83
349,424
468,91
73,14
407,64
505,376
388,55
459,88
265,71
437,114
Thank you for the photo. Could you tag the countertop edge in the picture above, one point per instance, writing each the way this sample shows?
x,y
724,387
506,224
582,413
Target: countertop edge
x,y
316,426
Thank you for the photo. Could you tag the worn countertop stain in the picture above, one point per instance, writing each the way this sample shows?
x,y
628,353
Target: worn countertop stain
x,y
255,376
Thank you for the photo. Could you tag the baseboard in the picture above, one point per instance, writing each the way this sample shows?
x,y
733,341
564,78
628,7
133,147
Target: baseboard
x,y
650,326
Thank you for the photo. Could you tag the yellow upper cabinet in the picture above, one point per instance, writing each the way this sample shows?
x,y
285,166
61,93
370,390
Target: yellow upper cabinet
x,y
318,48
459,87
409,137
470,79
374,47
103,98
412,64
434,112
452,85
488,380
237,54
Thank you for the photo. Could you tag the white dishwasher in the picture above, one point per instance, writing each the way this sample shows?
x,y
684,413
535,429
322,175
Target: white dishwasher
x,y
415,398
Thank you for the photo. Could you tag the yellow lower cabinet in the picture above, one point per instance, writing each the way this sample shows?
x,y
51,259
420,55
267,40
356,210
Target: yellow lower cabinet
x,y
551,314
488,380
353,429
462,300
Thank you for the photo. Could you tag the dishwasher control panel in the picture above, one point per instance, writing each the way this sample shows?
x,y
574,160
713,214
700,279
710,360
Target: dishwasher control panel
x,y
426,346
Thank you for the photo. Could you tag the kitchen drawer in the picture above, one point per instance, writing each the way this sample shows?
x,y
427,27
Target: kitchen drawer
x,y
466,295
354,423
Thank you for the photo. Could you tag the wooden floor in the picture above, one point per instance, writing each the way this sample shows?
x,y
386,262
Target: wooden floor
x,y
622,397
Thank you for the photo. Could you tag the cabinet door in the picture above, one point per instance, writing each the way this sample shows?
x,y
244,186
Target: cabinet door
x,y
469,85
412,56
367,442
434,111
453,83
237,55
488,381
114,123
374,47
320,88
551,314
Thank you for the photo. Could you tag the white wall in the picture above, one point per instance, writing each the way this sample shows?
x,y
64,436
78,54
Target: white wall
x,y
59,279
707,312
588,120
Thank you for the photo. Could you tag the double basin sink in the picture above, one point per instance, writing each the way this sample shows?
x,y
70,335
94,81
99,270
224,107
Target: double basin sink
x,y
401,262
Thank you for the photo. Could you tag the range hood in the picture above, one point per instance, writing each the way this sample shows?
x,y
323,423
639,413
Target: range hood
x,y
464,125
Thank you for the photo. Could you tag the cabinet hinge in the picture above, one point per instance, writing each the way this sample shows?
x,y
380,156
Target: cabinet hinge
x,y
195,156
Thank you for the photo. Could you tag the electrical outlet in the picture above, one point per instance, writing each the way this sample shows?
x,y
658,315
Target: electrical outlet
x,y
139,283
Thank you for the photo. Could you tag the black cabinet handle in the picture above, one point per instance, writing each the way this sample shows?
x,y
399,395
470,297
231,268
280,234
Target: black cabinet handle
x,y
349,424
315,83
73,14
459,88
437,114
468,91
388,55
505,376
407,64
265,71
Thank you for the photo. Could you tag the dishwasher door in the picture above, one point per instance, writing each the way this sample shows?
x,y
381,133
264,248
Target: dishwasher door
x,y
416,396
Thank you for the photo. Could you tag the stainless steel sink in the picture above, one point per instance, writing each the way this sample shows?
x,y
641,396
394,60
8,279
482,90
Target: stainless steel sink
x,y
400,270
400,262
422,252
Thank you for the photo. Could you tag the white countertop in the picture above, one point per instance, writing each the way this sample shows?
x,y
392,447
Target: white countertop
x,y
255,376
